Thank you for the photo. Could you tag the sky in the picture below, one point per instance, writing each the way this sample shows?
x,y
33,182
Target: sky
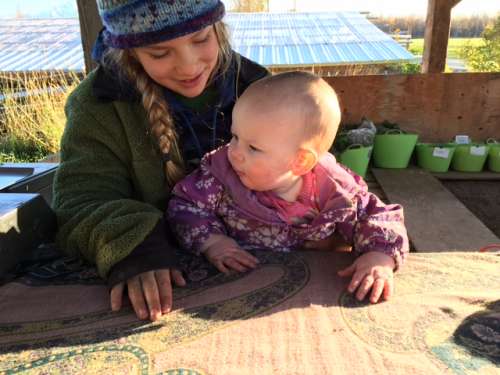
x,y
67,8
383,7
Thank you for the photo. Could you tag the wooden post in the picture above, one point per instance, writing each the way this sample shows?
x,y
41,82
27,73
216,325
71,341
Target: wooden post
x,y
90,25
437,33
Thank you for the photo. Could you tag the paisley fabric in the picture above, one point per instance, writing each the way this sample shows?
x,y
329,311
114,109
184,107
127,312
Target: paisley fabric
x,y
289,316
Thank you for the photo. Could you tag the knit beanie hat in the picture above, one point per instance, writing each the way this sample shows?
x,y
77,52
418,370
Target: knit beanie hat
x,y
137,23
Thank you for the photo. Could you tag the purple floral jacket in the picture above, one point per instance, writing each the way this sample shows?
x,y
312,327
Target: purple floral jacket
x,y
212,200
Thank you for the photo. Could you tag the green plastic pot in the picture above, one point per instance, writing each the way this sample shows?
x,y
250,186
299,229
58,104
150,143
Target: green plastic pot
x,y
435,157
393,150
494,156
467,158
356,157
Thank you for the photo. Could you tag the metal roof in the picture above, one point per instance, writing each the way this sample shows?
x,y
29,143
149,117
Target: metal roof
x,y
271,39
328,38
40,44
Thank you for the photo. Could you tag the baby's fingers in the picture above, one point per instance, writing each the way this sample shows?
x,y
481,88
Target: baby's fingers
x,y
365,286
377,289
219,264
356,279
235,264
389,289
347,271
245,258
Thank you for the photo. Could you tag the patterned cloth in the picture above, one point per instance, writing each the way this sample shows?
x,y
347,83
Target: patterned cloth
x,y
129,24
290,316
212,200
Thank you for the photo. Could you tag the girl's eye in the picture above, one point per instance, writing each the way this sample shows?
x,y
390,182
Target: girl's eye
x,y
253,148
203,40
159,56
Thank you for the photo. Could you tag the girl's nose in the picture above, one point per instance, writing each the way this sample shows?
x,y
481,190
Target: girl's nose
x,y
187,63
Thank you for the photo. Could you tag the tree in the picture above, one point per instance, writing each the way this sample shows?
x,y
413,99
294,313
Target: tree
x,y
250,6
486,57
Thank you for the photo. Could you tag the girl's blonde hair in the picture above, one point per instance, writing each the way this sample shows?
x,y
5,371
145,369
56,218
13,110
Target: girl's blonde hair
x,y
153,100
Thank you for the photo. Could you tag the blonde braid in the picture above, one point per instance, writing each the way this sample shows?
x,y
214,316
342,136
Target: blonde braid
x,y
159,117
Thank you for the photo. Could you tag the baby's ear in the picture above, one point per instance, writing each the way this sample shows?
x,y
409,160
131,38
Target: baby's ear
x,y
305,160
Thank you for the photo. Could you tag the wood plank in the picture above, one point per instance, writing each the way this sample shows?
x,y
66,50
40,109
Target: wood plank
x,y
453,175
90,24
436,220
465,103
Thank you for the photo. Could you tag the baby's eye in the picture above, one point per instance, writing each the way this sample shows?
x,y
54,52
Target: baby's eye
x,y
253,148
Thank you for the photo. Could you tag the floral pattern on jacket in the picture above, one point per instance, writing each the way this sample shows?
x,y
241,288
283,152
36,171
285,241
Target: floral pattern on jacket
x,y
212,200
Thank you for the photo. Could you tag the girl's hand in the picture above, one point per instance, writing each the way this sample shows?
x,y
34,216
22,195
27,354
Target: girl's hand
x,y
372,270
225,254
149,292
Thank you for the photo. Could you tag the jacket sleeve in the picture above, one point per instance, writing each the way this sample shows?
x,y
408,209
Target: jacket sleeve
x,y
192,210
99,213
378,227
364,221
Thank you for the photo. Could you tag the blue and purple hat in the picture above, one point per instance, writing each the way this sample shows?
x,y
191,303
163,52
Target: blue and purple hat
x,y
137,23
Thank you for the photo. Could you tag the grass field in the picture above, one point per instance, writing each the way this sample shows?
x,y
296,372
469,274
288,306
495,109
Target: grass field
x,y
454,46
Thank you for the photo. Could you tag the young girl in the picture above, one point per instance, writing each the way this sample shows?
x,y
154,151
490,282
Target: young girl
x,y
275,185
160,99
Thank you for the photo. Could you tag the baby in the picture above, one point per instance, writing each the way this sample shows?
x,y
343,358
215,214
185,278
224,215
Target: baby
x,y
275,186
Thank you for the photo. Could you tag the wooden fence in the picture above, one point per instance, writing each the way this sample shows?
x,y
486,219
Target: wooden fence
x,y
436,105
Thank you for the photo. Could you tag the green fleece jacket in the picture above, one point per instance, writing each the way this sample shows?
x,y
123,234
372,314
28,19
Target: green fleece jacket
x,y
110,190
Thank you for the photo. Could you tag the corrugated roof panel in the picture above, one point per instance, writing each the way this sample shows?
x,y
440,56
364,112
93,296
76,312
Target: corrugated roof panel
x,y
40,44
271,39
314,38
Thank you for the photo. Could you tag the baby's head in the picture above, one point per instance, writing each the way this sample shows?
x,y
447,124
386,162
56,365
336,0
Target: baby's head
x,y
282,125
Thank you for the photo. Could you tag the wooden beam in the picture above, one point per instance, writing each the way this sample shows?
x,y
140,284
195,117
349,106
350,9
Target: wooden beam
x,y
90,24
437,33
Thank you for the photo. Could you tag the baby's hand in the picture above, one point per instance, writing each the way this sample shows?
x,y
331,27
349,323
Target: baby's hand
x,y
372,270
225,254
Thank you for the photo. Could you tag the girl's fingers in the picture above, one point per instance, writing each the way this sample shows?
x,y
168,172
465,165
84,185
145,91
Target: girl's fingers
x,y
377,289
365,286
150,291
177,277
137,298
116,296
163,280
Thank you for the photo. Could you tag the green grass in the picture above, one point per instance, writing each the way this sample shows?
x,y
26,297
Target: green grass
x,y
454,46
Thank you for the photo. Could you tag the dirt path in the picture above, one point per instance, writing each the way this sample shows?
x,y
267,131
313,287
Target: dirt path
x,y
481,197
